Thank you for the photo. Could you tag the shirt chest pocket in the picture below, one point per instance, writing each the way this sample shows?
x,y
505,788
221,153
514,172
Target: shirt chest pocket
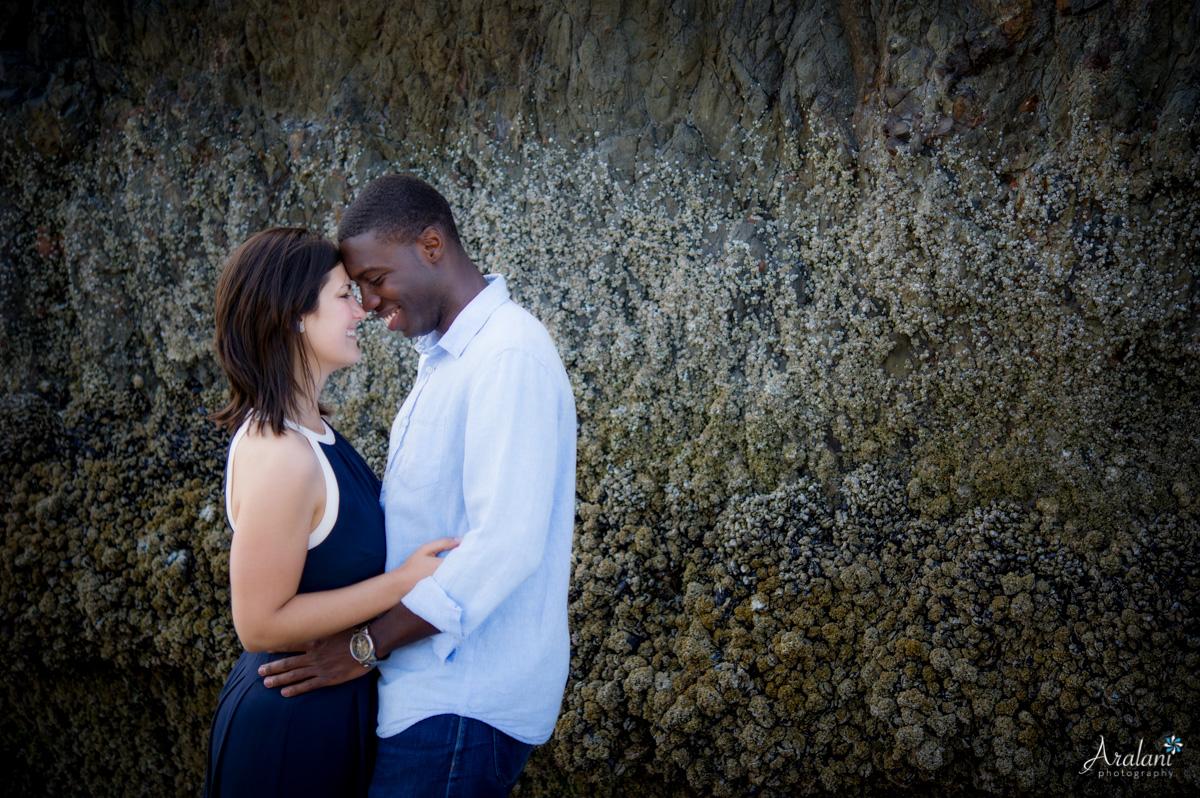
x,y
422,452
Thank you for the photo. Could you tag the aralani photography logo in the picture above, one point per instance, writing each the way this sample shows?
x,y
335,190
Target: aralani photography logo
x,y
1133,765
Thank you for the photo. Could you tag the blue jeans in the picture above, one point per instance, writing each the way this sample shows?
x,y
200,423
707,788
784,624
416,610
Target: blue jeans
x,y
448,756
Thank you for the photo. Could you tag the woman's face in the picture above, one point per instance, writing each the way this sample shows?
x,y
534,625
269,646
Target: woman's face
x,y
329,330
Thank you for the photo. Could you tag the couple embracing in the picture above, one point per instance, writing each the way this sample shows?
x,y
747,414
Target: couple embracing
x,y
434,604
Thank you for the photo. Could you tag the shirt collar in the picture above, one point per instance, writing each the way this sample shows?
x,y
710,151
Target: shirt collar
x,y
470,319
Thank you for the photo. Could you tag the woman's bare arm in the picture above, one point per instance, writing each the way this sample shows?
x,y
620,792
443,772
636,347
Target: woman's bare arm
x,y
278,497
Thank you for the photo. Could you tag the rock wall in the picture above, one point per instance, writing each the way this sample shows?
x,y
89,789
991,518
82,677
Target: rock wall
x,y
882,321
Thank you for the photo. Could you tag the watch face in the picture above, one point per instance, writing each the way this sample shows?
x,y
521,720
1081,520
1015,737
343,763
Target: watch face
x,y
361,647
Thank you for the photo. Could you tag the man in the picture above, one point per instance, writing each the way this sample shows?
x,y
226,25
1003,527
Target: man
x,y
473,663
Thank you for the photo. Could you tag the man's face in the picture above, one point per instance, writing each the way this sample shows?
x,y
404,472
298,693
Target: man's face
x,y
398,282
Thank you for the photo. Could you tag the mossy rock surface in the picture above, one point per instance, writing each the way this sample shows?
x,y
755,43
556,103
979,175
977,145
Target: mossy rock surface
x,y
884,331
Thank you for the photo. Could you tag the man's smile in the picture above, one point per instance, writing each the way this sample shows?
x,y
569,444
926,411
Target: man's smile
x,y
391,316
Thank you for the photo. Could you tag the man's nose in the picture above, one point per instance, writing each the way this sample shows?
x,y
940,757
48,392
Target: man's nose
x,y
369,300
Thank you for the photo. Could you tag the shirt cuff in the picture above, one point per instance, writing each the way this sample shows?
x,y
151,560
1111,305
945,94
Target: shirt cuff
x,y
429,602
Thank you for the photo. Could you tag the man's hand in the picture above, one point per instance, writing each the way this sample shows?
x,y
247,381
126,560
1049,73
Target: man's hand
x,y
324,662
327,661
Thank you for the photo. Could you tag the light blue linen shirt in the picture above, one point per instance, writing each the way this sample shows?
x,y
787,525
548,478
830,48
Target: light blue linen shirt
x,y
483,448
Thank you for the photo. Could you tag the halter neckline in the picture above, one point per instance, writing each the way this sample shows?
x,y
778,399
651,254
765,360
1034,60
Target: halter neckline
x,y
321,437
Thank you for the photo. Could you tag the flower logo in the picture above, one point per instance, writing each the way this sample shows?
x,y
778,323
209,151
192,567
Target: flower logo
x,y
1173,745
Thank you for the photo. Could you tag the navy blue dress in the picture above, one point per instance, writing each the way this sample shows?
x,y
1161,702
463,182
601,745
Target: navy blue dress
x,y
323,742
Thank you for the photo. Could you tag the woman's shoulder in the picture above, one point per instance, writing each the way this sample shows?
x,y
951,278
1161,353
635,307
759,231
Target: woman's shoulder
x,y
284,454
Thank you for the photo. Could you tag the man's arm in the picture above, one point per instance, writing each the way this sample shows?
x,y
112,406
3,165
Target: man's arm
x,y
510,469
328,662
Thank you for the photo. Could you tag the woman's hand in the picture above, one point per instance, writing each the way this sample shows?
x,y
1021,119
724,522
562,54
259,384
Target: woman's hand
x,y
424,561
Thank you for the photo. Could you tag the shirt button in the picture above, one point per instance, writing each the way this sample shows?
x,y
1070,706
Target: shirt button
x,y
403,423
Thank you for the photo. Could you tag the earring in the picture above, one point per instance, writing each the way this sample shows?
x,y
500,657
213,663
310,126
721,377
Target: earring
x,y
301,326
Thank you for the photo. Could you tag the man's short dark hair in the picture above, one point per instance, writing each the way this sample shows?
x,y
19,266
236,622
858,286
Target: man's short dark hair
x,y
397,209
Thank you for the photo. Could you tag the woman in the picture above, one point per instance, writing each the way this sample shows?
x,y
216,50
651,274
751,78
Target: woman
x,y
307,558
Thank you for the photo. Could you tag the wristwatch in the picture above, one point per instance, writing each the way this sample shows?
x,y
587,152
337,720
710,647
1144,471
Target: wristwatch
x,y
362,647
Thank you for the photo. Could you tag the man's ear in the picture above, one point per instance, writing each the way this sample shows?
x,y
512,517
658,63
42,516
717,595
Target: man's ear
x,y
432,243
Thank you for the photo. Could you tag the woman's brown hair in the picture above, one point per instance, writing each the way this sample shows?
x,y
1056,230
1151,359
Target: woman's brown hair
x,y
272,280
